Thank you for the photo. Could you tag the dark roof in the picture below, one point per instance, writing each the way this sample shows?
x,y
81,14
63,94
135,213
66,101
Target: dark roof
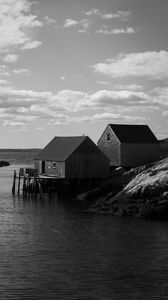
x,y
133,133
60,148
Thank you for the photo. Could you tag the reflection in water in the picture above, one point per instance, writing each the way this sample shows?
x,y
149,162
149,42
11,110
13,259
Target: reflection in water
x,y
51,249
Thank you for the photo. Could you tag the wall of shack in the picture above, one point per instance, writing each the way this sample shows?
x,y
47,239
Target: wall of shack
x,y
139,154
110,146
52,168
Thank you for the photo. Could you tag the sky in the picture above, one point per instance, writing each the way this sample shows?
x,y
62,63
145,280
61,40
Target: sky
x,y
70,67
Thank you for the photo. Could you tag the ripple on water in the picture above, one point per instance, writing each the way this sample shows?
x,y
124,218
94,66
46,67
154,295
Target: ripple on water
x,y
53,250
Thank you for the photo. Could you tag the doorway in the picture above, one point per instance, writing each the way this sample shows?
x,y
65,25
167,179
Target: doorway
x,y
43,167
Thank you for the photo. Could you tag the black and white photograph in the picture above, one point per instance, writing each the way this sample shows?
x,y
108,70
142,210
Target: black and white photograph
x,y
84,149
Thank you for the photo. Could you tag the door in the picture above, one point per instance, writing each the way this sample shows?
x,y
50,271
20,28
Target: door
x,y
43,167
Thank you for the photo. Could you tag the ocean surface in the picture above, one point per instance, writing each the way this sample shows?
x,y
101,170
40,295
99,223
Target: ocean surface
x,y
52,249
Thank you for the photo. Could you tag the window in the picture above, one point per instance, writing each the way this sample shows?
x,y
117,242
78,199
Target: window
x,y
108,137
54,165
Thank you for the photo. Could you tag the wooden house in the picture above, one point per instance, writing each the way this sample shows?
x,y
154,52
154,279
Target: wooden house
x,y
72,158
129,145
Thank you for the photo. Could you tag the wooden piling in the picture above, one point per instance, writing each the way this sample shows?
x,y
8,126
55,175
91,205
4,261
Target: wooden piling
x,y
19,183
28,185
34,186
24,186
40,189
14,182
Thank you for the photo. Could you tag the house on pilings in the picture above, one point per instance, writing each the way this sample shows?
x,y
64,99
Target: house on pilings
x,y
129,145
75,157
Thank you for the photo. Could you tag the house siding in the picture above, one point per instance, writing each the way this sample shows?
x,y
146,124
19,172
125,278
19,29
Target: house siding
x,y
110,148
58,169
87,162
87,165
138,154
37,165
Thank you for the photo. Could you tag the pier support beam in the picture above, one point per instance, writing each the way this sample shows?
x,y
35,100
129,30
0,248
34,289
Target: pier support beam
x,y
19,184
14,183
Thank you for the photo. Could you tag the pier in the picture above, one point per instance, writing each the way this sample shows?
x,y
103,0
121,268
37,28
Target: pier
x,y
28,182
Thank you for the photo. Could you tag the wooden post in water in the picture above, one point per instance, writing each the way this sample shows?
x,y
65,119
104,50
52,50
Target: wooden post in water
x,y
24,186
19,183
35,186
40,189
14,183
28,185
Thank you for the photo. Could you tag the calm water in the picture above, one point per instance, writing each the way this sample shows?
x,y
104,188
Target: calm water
x,y
53,250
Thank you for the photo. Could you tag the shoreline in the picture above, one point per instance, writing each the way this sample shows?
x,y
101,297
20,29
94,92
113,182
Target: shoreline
x,y
141,192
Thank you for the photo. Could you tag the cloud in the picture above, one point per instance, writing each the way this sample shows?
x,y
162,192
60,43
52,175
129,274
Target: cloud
x,y
10,58
13,123
69,100
39,128
16,21
21,71
70,22
108,98
4,82
10,97
122,15
49,20
83,31
160,95
103,82
165,113
106,31
68,106
31,45
85,24
93,11
105,117
132,87
151,64
4,70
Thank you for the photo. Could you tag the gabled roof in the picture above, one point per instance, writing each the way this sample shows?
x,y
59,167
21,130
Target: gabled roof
x,y
60,148
133,133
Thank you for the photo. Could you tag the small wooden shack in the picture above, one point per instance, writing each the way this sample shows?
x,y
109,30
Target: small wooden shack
x,y
129,145
75,157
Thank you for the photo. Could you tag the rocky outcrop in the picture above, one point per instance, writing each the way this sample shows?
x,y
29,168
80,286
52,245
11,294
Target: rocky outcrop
x,y
4,163
144,193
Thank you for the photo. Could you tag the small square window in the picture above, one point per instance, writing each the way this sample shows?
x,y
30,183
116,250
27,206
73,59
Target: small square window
x,y
54,165
108,137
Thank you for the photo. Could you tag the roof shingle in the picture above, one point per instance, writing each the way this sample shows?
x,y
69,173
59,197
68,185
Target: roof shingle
x,y
133,133
60,148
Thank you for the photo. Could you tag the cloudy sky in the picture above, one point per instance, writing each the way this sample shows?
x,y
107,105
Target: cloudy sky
x,y
70,67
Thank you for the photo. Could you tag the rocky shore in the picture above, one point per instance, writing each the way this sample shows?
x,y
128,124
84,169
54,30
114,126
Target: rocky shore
x,y
4,163
141,192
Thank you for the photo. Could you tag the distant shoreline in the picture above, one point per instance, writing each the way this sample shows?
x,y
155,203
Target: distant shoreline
x,y
19,149
18,156
4,163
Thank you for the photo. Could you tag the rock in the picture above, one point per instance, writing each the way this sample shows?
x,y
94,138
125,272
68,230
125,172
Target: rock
x,y
165,195
4,163
142,192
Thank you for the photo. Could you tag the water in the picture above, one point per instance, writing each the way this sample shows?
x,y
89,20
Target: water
x,y
52,249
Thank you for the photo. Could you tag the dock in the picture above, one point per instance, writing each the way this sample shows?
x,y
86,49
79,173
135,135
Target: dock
x,y
28,182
